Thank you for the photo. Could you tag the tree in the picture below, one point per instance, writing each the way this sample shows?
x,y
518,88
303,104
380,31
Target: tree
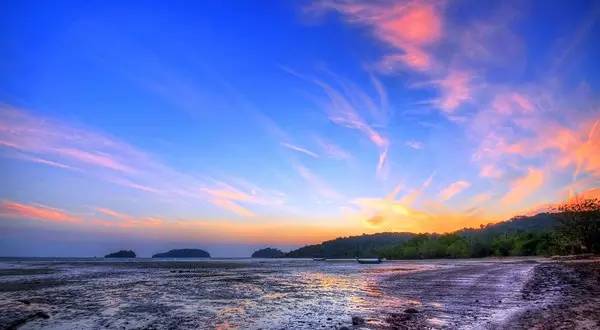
x,y
580,225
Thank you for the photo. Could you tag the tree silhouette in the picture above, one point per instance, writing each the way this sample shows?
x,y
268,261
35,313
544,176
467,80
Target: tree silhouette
x,y
580,225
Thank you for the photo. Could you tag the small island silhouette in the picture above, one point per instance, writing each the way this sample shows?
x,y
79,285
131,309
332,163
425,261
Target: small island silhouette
x,y
121,254
183,253
268,253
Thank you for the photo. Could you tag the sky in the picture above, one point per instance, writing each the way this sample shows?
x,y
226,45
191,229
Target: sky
x,y
235,125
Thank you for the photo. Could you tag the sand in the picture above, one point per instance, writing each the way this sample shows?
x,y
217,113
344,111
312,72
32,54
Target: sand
x,y
299,294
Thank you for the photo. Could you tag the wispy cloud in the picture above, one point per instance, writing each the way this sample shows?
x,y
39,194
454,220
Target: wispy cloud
x,y
33,135
453,189
455,90
122,220
231,206
342,107
417,145
511,103
524,186
413,30
228,198
481,198
10,209
409,27
333,150
342,112
414,194
490,171
58,144
381,163
299,149
318,184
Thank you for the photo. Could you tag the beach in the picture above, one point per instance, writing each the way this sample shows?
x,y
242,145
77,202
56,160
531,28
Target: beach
x,y
289,293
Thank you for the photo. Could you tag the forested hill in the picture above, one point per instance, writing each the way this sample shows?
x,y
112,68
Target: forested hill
x,y
535,223
372,245
352,246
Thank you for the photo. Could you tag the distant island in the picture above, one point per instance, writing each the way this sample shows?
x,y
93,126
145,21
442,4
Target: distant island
x,y
121,254
268,253
183,253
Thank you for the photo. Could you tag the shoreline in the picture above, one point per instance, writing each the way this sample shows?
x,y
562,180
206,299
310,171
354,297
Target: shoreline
x,y
561,295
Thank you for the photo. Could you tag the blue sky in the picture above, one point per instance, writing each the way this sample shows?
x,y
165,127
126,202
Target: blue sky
x,y
236,124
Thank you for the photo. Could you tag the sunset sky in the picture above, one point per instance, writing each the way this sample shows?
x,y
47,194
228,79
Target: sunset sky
x,y
232,125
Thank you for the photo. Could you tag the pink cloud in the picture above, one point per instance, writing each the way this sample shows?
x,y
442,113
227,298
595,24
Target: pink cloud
x,y
575,147
35,211
54,143
45,162
97,159
414,194
35,135
455,90
231,198
231,206
409,27
228,192
126,220
490,171
453,189
510,103
524,186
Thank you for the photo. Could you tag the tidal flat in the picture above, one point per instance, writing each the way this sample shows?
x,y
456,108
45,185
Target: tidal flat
x,y
297,294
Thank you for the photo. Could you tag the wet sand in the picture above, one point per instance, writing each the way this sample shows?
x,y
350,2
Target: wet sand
x,y
487,293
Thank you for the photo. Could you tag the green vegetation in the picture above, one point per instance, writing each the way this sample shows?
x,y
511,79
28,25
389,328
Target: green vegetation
x,y
579,227
353,246
572,228
454,245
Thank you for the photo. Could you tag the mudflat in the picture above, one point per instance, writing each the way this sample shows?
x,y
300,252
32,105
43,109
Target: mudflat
x,y
285,293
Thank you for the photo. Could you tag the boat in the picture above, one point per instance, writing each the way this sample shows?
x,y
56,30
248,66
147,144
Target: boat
x,y
319,259
368,260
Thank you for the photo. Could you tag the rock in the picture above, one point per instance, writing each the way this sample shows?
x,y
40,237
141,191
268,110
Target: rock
x,y
399,320
411,311
357,320
43,315
20,322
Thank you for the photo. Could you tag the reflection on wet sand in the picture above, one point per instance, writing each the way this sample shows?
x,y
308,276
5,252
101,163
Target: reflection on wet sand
x,y
256,294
